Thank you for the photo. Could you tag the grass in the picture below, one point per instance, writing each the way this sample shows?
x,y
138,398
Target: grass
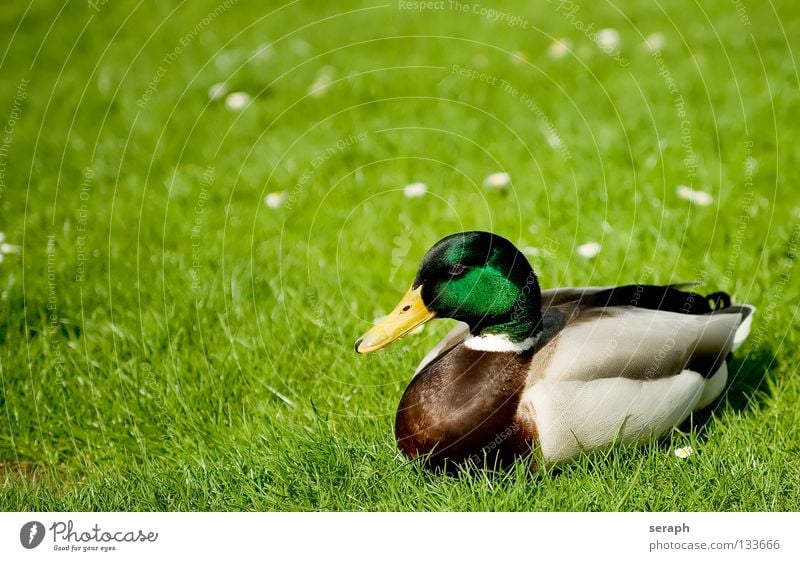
x,y
169,342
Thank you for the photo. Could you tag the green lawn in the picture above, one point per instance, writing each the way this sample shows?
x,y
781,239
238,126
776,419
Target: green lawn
x,y
168,341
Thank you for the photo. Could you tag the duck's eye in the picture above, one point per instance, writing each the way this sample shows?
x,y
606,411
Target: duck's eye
x,y
457,270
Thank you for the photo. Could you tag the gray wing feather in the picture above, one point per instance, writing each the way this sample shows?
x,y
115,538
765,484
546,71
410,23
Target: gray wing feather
x,y
641,344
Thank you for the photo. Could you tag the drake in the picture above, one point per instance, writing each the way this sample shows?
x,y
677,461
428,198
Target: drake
x,y
566,371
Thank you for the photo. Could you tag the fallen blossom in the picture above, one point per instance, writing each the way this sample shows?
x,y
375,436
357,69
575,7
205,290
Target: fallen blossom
x,y
559,48
589,250
6,248
608,39
700,198
275,200
415,190
532,251
654,42
499,180
237,101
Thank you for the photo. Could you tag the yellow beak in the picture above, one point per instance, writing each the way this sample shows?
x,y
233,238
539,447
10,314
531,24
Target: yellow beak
x,y
409,314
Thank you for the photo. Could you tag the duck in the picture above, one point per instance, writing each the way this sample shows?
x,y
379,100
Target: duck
x,y
565,371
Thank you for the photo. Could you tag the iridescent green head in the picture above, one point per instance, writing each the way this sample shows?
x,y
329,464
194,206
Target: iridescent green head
x,y
475,277
483,280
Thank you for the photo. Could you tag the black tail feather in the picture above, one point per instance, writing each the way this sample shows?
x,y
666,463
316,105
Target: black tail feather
x,y
719,300
667,298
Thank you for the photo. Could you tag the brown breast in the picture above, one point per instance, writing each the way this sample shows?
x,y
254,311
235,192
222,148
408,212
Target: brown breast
x,y
464,406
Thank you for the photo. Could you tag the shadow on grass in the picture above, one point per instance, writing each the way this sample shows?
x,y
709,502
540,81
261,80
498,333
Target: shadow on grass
x,y
746,389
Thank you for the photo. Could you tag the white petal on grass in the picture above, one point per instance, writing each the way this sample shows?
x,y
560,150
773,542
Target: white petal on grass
x,y
320,86
654,42
559,48
323,81
499,180
684,452
608,39
7,248
589,250
237,101
217,91
553,139
699,198
275,200
415,190
532,251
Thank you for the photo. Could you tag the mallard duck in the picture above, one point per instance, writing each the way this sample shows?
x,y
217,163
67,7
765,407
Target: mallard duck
x,y
566,371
